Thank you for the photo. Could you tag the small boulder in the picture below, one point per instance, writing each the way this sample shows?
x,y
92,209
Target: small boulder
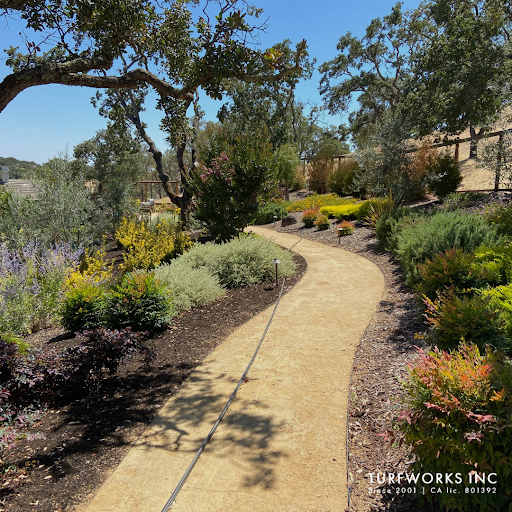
x,y
288,221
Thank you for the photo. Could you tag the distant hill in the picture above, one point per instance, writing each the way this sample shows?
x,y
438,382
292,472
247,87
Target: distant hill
x,y
18,169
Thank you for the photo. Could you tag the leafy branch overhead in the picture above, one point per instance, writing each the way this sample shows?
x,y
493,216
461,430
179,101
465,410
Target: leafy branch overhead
x,y
78,42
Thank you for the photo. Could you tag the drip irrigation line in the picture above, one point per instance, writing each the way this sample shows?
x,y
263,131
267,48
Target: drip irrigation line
x,y
184,478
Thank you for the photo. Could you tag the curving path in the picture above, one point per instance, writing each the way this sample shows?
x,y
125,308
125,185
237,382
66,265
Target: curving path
x,y
281,446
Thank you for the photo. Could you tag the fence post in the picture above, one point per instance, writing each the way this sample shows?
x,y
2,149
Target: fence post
x,y
498,167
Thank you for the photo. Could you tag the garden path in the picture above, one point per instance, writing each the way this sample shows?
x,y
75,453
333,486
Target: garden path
x,y
281,446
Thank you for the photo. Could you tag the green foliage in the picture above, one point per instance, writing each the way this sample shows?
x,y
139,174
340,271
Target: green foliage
x,y
345,228
500,216
64,210
309,218
453,318
450,269
390,223
442,231
317,201
286,162
322,222
141,302
457,420
267,212
341,181
500,299
495,262
188,286
458,200
31,280
346,211
84,307
443,175
372,69
230,190
243,261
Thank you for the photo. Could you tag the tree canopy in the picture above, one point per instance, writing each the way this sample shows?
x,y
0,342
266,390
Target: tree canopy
x,y
79,42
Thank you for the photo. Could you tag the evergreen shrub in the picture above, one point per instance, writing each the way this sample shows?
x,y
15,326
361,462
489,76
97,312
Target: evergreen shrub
x,y
189,287
243,261
141,302
457,420
442,231
267,211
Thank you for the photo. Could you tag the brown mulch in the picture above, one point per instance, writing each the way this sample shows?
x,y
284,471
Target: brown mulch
x,y
385,349
87,438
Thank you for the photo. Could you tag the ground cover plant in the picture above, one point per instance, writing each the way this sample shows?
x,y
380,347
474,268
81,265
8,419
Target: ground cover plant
x,y
270,212
345,211
316,201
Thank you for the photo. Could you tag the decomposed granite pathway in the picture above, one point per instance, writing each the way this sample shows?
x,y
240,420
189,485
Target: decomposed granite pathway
x,y
281,446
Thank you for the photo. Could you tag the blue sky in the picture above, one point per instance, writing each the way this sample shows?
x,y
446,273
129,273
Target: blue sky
x,y
41,121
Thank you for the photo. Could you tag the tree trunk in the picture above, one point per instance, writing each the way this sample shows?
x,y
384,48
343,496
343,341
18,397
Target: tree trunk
x,y
498,167
475,137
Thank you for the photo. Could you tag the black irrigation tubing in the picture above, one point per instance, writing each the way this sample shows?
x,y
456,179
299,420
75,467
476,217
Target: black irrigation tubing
x,y
184,478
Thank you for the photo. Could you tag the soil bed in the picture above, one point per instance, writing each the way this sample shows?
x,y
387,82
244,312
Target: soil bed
x,y
385,349
86,439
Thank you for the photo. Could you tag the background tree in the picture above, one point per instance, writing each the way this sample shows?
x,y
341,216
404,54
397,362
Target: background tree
x,y
372,70
117,163
461,75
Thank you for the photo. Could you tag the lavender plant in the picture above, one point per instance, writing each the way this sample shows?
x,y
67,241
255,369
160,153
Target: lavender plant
x,y
31,279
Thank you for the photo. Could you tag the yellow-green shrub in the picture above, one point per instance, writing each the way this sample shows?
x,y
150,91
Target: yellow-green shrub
x,y
93,270
345,211
148,245
315,202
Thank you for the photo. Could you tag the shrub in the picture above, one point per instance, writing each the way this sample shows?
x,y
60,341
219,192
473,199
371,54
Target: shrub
x,y
375,208
500,217
102,352
341,181
443,176
390,223
456,420
345,227
147,245
450,269
84,307
189,287
92,269
31,279
442,231
230,189
309,218
319,174
243,261
453,318
495,263
141,302
315,202
458,200
347,211
322,222
500,299
266,213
